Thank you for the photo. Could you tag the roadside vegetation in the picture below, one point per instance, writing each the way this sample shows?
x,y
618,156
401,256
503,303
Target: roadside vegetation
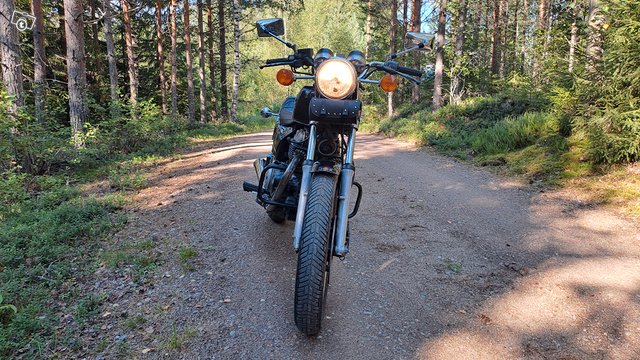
x,y
54,230
532,134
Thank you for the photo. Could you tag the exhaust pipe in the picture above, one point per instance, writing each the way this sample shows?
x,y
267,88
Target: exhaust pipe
x,y
258,165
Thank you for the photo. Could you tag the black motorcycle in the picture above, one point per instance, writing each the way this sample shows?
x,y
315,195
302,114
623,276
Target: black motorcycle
x,y
309,174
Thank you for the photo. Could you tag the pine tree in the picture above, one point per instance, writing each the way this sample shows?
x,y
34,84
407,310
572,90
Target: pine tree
x,y
10,56
76,69
39,60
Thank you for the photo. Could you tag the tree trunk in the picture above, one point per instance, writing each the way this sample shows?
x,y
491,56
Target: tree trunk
x,y
403,94
76,69
438,101
39,60
111,53
504,30
174,65
201,63
416,20
236,60
541,26
187,52
368,29
10,55
212,63
456,78
131,57
222,46
525,25
516,34
160,56
393,47
405,18
495,37
594,40
574,35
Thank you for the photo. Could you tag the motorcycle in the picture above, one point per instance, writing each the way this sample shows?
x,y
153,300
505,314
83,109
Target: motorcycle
x,y
309,174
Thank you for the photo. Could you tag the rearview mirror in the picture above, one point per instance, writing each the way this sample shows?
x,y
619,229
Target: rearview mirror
x,y
274,26
417,38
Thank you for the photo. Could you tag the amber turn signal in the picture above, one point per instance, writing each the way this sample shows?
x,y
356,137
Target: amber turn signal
x,y
388,83
285,77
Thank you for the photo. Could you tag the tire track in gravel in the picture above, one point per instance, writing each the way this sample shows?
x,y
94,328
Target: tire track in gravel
x,y
447,262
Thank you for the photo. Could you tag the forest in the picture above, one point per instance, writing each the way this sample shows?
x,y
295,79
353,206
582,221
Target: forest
x,y
548,89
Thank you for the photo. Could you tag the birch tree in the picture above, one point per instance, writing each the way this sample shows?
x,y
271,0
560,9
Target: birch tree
x,y
236,59
160,57
393,30
438,101
201,63
416,21
222,50
212,62
174,64
456,78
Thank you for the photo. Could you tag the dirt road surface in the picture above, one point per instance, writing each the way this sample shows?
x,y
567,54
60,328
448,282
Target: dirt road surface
x,y
447,262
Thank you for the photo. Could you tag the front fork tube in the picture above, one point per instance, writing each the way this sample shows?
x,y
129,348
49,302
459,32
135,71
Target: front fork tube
x,y
346,180
305,184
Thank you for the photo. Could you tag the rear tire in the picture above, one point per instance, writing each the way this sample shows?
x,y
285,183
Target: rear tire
x,y
315,254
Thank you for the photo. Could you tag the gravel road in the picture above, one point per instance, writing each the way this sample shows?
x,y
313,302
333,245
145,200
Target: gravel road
x,y
447,261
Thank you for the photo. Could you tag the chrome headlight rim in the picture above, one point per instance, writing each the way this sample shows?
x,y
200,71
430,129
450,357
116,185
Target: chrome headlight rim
x,y
352,74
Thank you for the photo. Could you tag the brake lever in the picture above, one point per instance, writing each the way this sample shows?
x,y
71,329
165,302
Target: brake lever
x,y
275,64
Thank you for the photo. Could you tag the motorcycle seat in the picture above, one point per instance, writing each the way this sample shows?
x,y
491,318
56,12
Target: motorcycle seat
x,y
286,111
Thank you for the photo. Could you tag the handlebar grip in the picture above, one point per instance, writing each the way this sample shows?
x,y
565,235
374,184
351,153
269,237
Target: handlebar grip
x,y
273,61
410,71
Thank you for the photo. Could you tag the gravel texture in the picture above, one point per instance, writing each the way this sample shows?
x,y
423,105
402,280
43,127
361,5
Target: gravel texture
x,y
447,261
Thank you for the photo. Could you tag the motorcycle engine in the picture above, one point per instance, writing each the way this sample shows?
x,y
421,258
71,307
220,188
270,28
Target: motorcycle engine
x,y
271,179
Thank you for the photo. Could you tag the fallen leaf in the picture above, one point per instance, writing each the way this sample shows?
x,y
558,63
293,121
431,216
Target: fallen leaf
x,y
485,319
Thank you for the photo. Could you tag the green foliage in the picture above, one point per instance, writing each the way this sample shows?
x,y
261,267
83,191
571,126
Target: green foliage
x,y
612,117
514,133
614,136
125,177
185,254
44,237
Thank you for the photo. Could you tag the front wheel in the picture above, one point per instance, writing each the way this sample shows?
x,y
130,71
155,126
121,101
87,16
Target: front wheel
x,y
314,256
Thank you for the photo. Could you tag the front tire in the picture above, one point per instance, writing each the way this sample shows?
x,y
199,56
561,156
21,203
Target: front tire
x,y
314,256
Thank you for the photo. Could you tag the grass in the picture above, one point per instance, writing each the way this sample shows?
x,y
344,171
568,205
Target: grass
x,y
135,322
177,339
516,132
52,234
185,254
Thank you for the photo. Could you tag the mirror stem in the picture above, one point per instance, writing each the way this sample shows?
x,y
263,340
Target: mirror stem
x,y
288,44
416,47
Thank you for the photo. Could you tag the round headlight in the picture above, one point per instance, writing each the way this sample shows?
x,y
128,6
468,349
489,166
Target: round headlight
x,y
336,78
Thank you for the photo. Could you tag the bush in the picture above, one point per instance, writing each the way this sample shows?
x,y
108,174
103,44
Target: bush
x,y
514,133
614,137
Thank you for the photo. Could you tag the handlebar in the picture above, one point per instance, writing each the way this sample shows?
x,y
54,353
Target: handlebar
x,y
410,71
392,67
279,60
